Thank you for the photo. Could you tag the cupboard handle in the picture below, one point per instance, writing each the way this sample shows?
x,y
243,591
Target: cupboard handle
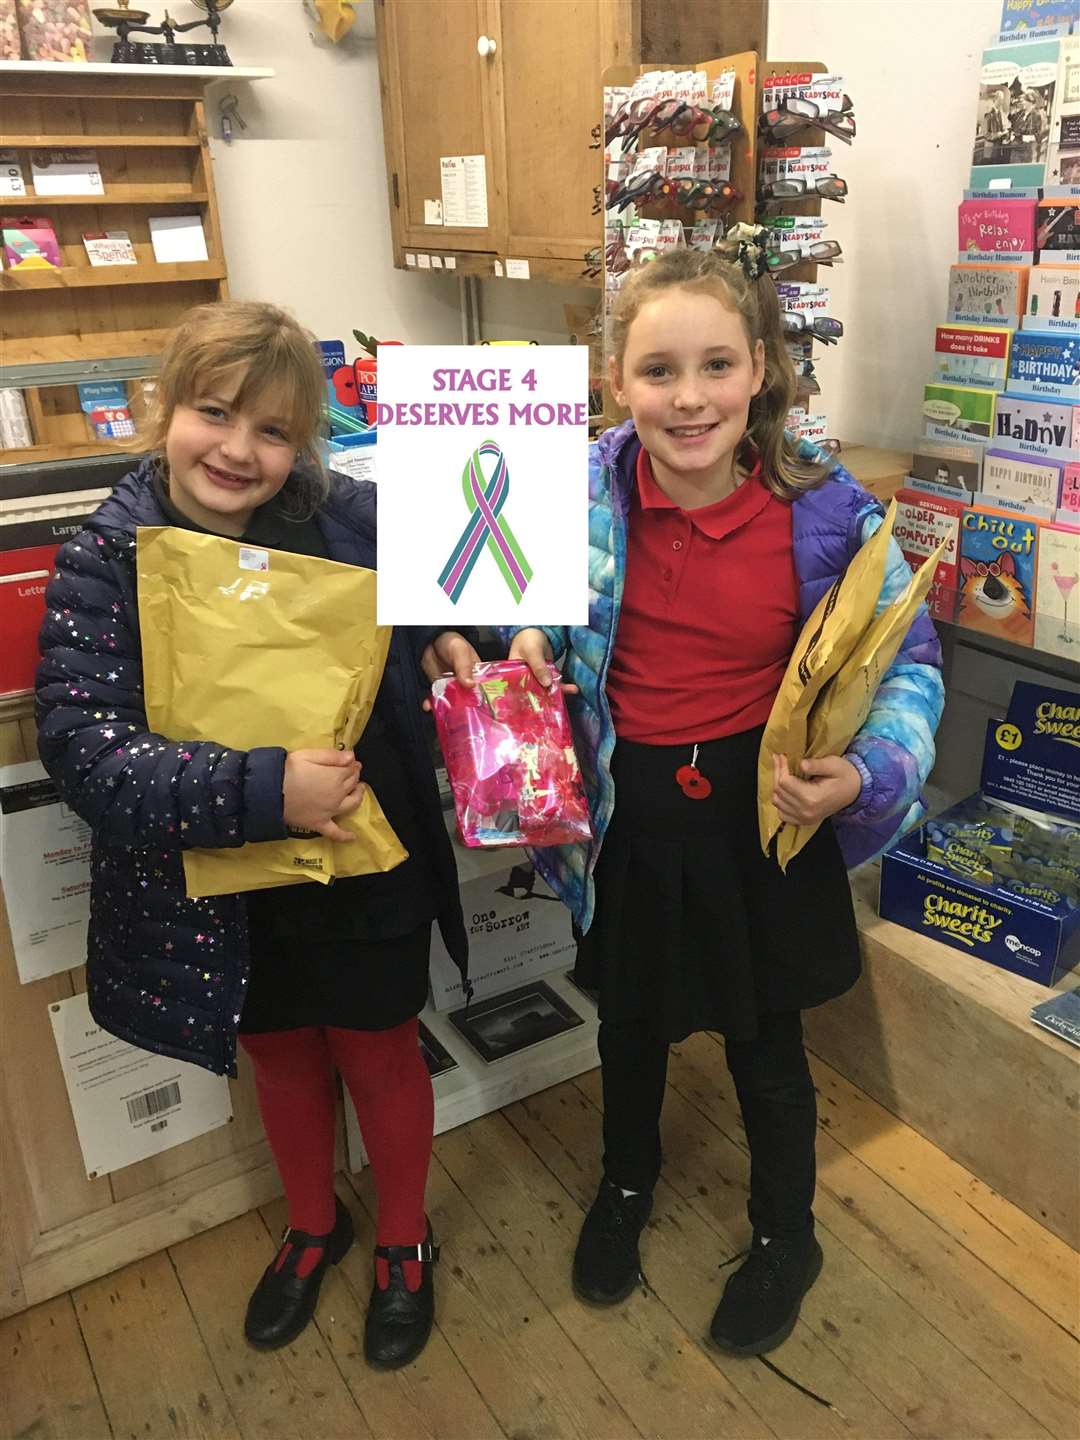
x,y
485,47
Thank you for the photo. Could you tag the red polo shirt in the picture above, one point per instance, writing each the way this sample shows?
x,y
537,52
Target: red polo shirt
x,y
709,614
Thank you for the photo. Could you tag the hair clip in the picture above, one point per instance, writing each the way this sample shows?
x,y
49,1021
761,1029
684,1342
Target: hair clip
x,y
751,253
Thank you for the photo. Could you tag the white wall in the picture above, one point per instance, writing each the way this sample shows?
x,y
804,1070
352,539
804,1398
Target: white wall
x,y
912,72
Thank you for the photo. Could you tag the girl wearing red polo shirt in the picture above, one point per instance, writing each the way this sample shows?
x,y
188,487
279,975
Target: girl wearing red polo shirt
x,y
712,535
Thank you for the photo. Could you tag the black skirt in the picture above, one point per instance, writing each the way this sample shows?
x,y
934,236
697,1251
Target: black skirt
x,y
694,926
352,954
352,984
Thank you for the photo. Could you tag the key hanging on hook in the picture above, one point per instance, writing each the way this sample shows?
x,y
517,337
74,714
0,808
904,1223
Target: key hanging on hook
x,y
229,111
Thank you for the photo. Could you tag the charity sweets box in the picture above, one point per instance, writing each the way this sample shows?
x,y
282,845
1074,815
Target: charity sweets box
x,y
1023,933
974,878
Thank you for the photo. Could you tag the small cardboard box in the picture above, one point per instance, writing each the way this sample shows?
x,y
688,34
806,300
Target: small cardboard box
x,y
1021,933
1031,760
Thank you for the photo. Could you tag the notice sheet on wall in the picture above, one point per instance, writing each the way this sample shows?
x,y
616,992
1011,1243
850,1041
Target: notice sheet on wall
x,y
129,1104
45,872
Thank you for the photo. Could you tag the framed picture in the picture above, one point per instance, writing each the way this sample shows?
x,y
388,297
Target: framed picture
x,y
504,1024
436,1056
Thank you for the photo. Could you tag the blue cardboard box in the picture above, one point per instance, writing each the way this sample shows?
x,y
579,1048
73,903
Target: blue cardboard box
x,y
1019,932
1031,760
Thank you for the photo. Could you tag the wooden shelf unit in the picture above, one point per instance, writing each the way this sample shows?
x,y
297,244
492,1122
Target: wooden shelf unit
x,y
92,277
130,194
127,142
61,69
147,127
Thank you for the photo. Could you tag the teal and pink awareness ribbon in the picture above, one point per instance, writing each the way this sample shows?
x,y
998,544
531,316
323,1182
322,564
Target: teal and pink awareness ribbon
x,y
486,498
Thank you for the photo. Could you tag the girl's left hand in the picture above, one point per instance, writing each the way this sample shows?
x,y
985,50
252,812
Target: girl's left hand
x,y
449,652
828,784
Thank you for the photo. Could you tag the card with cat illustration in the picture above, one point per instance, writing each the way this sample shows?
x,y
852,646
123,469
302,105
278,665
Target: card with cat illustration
x,y
997,574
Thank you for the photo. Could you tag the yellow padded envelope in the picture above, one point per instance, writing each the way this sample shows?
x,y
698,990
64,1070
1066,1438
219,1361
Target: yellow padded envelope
x,y
250,647
838,622
844,702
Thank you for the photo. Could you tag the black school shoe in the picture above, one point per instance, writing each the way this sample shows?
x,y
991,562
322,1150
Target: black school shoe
x,y
399,1320
607,1261
283,1302
761,1301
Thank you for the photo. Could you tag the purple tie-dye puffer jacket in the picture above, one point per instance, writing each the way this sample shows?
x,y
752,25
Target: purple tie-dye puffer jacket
x,y
894,750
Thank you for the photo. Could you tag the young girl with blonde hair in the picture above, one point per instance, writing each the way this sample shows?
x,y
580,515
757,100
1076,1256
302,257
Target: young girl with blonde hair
x,y
712,536
311,979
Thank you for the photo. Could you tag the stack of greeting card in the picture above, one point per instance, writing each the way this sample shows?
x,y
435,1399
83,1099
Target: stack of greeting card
x,y
996,231
996,470
972,355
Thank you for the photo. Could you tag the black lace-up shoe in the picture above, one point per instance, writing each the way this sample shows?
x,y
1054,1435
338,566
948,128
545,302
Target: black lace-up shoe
x,y
283,1302
399,1320
607,1262
761,1301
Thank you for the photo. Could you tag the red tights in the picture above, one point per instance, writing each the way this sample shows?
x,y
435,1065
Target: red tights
x,y
391,1090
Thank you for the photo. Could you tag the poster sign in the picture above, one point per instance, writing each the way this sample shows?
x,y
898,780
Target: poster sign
x,y
518,929
483,485
45,872
1032,757
129,1104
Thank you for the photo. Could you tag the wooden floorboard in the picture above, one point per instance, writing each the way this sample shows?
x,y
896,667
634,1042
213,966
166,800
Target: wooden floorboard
x,y
942,1312
681,1254
47,1385
153,1370
294,1391
529,1372
988,1337
667,1382
435,1398
1022,1252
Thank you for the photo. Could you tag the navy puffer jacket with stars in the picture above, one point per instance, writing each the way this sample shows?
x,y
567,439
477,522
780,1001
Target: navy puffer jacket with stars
x,y
165,972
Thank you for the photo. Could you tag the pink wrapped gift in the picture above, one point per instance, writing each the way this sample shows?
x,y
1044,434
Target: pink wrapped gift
x,y
510,757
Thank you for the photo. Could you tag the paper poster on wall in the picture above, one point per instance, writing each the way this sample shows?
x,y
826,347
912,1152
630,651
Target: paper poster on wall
x,y
464,190
127,1103
45,872
518,929
483,503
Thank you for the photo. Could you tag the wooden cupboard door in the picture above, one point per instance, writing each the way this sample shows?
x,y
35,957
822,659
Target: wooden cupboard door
x,y
553,60
438,91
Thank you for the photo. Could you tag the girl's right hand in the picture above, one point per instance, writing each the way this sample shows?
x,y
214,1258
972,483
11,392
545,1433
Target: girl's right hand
x,y
533,647
319,785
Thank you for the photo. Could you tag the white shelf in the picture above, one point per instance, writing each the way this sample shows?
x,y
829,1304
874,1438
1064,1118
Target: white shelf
x,y
74,67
